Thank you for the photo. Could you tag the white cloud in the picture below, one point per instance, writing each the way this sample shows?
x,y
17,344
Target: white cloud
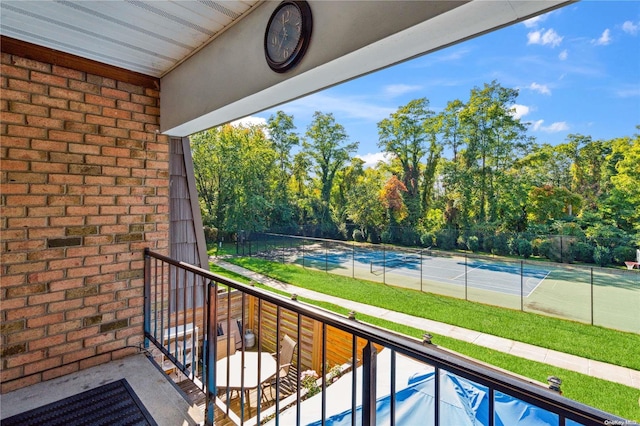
x,y
372,159
630,28
400,89
533,22
558,126
563,55
628,92
519,111
549,37
250,121
540,88
604,39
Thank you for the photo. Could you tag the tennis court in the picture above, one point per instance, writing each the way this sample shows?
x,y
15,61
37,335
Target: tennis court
x,y
490,276
599,296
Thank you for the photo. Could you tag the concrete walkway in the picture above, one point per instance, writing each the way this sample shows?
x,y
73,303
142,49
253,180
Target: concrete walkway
x,y
613,373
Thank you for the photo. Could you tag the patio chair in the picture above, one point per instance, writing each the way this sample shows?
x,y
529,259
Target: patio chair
x,y
232,330
287,347
221,344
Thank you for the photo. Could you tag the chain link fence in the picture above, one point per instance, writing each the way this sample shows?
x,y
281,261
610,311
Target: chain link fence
x,y
608,297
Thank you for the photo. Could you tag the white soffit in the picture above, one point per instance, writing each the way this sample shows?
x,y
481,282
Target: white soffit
x,y
464,22
149,37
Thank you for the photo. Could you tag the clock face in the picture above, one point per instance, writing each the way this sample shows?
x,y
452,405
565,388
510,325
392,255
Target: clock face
x,y
288,34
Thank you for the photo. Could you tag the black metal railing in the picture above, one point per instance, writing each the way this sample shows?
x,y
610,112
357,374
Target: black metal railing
x,y
410,371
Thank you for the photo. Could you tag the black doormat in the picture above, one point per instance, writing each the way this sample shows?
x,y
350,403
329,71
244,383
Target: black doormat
x,y
108,405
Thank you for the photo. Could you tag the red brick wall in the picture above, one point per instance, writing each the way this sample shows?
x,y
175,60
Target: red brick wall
x,y
84,189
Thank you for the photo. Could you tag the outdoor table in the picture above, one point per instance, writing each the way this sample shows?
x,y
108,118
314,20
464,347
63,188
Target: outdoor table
x,y
251,378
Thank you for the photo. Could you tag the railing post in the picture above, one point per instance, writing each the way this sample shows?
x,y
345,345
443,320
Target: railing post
x,y
209,373
369,354
147,297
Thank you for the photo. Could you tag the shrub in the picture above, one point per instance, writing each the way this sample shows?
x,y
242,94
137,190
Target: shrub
x,y
446,239
524,247
582,252
408,237
473,243
427,239
358,235
210,234
544,248
622,254
535,245
602,256
500,244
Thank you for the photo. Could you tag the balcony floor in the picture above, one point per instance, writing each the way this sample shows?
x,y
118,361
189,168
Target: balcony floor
x,y
161,397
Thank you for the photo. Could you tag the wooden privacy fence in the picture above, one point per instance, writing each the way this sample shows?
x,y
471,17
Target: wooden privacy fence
x,y
263,321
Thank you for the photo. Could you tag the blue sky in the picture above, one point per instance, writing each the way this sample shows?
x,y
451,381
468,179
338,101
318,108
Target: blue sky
x,y
577,70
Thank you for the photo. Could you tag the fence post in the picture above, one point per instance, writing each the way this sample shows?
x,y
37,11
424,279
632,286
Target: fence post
x,y
465,277
353,260
384,264
592,295
522,285
420,270
326,260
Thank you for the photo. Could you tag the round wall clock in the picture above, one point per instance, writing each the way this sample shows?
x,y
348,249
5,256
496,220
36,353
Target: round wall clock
x,y
288,35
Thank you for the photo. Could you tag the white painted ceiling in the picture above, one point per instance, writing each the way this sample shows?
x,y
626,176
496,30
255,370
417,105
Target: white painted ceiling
x,y
149,37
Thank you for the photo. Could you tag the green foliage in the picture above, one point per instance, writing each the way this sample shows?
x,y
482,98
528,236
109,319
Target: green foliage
x,y
404,134
359,236
582,252
446,239
409,237
495,180
523,248
602,256
427,239
544,248
473,243
211,234
623,253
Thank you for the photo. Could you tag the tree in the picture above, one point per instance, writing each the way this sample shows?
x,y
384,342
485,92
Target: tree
x,y
347,178
210,176
622,200
494,139
589,157
392,200
250,164
403,135
548,203
326,145
232,167
364,207
283,136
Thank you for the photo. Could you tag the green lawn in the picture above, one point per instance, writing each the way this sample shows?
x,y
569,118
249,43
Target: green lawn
x,y
569,337
597,343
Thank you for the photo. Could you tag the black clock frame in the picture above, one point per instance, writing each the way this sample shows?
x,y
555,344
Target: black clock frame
x,y
303,42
